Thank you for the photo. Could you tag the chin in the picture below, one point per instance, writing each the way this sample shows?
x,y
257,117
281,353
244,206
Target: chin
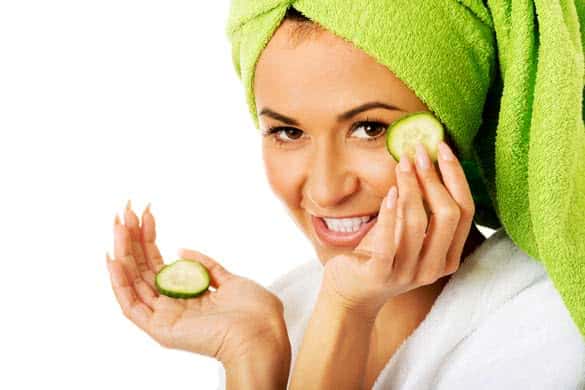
x,y
323,252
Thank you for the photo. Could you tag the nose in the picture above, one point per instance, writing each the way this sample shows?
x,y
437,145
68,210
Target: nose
x,y
330,178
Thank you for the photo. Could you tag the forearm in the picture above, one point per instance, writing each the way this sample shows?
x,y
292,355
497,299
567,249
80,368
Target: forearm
x,y
267,367
334,350
258,373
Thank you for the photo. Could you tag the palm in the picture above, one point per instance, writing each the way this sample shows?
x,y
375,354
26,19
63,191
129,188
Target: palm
x,y
224,316
356,278
347,273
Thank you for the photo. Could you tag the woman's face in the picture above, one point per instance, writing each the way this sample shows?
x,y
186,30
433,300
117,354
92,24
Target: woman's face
x,y
327,156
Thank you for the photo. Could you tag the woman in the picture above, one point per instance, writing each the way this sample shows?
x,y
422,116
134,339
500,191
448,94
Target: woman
x,y
361,316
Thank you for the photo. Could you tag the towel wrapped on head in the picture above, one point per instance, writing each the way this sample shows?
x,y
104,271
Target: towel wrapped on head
x,y
505,77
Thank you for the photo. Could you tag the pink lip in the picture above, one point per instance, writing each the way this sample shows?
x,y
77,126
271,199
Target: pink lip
x,y
329,237
346,216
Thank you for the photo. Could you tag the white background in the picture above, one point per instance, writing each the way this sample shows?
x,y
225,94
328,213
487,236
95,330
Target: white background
x,y
101,102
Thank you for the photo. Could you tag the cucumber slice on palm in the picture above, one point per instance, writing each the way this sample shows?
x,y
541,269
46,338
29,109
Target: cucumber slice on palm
x,y
184,278
403,135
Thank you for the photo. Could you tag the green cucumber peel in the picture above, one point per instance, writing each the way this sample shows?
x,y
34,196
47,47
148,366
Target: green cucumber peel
x,y
185,278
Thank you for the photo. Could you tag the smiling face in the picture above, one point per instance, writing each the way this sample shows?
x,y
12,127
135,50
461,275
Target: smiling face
x,y
326,155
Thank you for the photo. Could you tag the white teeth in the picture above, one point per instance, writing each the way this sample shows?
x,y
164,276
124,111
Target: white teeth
x,y
347,225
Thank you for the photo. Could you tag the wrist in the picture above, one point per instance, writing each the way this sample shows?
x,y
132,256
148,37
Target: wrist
x,y
348,308
266,366
276,351
270,341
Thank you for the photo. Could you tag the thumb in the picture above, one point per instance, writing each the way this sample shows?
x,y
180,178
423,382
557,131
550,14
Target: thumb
x,y
380,241
218,274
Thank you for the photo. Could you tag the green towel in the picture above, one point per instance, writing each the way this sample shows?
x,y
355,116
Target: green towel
x,y
505,77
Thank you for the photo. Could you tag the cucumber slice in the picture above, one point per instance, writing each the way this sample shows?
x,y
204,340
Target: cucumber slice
x,y
184,278
406,132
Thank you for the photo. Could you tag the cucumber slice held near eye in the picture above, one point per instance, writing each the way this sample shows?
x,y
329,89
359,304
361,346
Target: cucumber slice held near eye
x,y
403,135
184,278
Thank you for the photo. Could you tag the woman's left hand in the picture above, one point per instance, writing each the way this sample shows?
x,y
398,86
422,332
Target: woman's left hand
x,y
397,255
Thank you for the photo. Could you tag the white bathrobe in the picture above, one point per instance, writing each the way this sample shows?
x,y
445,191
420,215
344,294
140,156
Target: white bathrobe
x,y
498,324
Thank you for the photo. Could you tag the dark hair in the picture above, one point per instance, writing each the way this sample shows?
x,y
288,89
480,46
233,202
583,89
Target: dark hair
x,y
294,14
304,27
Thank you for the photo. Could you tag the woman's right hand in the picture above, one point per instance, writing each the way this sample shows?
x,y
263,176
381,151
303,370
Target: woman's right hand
x,y
232,321
406,248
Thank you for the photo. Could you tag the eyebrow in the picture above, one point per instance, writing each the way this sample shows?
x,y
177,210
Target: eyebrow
x,y
340,118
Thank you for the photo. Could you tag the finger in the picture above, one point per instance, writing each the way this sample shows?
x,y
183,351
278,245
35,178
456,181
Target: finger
x,y
124,253
459,189
379,242
217,273
149,278
133,309
145,292
135,244
121,251
142,290
413,221
443,222
151,251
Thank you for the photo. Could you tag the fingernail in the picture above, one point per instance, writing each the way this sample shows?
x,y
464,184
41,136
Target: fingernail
x,y
405,163
391,199
117,220
445,152
146,211
128,205
421,157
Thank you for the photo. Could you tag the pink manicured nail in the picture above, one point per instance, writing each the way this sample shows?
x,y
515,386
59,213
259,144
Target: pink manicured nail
x,y
146,210
405,163
445,152
391,199
422,157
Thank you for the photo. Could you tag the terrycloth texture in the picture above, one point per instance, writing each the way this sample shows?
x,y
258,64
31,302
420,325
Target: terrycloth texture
x,y
498,324
506,79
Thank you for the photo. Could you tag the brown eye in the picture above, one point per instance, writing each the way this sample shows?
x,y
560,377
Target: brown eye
x,y
292,133
285,134
371,130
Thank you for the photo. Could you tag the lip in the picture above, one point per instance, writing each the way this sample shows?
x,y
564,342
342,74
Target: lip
x,y
331,238
346,216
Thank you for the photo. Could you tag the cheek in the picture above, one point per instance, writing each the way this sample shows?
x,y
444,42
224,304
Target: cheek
x,y
375,169
285,173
